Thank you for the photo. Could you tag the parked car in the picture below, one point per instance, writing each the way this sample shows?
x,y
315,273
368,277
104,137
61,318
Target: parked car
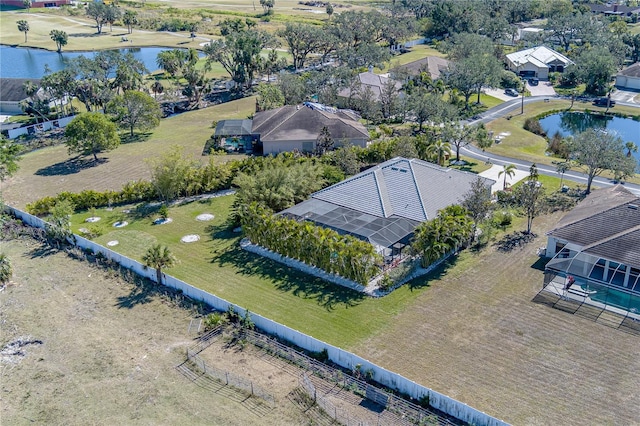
x,y
533,81
603,102
511,92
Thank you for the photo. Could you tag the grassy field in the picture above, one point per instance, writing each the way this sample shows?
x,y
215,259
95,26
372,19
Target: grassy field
x,y
477,336
108,352
51,170
82,33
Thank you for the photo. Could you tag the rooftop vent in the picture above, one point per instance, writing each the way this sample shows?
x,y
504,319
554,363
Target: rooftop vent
x,y
633,206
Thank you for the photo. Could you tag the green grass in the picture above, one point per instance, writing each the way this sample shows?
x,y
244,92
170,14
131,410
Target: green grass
x,y
216,264
51,170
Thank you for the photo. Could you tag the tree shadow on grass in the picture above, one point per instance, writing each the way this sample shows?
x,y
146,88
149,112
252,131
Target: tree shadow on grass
x,y
71,166
435,275
286,279
43,250
137,137
141,294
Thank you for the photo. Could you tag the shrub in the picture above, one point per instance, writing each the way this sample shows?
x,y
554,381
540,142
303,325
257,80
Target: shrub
x,y
533,125
558,146
503,219
213,320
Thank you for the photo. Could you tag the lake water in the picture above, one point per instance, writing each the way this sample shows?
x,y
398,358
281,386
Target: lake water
x,y
16,62
571,123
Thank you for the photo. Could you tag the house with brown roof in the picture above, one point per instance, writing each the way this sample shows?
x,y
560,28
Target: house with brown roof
x,y
629,78
433,65
298,128
596,246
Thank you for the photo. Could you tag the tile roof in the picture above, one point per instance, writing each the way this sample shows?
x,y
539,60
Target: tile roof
x,y
540,56
432,64
12,90
385,203
374,82
631,71
305,122
408,188
606,224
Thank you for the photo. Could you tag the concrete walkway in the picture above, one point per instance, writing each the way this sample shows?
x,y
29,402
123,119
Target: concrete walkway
x,y
494,173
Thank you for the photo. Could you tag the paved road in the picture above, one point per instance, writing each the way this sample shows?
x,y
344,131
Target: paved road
x,y
513,107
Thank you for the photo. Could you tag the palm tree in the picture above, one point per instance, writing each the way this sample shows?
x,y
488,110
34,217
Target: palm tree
x,y
159,257
562,168
631,147
23,27
60,37
508,171
27,5
6,272
439,149
156,88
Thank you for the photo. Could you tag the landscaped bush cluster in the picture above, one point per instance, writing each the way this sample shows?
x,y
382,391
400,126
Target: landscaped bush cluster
x,y
448,231
131,192
324,248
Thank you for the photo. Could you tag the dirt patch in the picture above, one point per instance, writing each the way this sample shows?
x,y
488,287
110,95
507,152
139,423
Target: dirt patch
x,y
111,351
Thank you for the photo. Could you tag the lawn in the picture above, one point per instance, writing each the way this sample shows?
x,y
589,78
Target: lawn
x,y
216,264
417,52
82,33
49,171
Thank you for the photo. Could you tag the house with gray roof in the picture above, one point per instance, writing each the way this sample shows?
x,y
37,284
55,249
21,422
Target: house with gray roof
x,y
298,127
366,81
597,243
384,204
537,62
233,136
12,93
629,78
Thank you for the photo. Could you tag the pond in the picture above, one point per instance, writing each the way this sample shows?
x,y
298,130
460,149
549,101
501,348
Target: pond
x,y
571,123
17,62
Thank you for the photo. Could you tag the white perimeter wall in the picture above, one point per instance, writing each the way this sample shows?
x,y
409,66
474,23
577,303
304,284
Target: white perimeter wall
x,y
341,357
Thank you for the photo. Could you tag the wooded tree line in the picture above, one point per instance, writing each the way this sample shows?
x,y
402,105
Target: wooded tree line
x,y
317,246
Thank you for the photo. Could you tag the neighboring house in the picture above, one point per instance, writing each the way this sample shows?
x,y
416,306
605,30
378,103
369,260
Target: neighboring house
x,y
629,78
365,81
234,136
433,65
48,3
615,9
384,204
298,127
12,93
537,62
598,242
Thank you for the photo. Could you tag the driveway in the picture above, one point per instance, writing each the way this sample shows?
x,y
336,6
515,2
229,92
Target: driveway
x,y
544,88
626,96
